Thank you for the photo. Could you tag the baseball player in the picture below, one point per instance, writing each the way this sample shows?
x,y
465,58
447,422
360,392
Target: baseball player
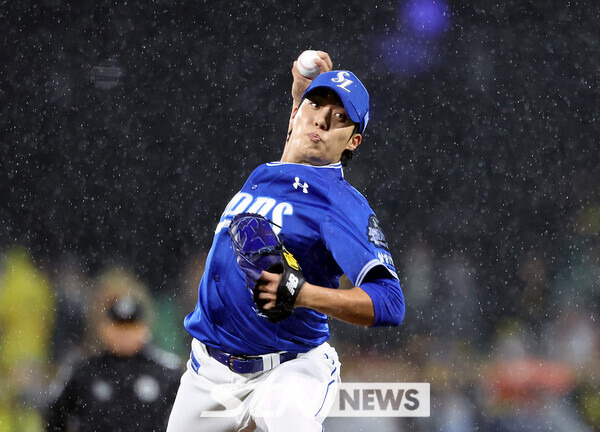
x,y
259,357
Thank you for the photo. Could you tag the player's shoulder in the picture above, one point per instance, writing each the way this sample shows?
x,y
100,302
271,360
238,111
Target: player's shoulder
x,y
347,196
348,204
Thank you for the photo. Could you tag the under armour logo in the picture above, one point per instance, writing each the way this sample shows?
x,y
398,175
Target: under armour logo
x,y
303,185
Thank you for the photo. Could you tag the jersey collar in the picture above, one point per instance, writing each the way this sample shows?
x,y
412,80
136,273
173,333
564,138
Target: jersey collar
x,y
335,166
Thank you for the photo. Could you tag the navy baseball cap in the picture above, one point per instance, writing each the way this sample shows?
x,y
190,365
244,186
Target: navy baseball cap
x,y
351,91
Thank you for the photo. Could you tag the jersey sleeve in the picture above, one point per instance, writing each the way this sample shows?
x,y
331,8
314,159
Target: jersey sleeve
x,y
357,249
363,255
388,301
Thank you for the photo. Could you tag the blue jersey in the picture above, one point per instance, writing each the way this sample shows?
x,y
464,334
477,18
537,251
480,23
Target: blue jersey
x,y
321,219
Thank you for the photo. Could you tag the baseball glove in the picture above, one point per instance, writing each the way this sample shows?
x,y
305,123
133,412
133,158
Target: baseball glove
x,y
258,248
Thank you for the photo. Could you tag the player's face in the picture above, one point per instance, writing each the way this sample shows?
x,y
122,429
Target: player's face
x,y
321,131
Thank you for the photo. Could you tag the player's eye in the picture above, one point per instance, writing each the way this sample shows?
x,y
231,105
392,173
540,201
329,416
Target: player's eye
x,y
342,117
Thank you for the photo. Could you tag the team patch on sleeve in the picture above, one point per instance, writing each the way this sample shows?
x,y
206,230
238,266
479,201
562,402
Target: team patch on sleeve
x,y
375,233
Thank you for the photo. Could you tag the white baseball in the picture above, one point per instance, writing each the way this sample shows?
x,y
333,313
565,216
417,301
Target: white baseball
x,y
307,65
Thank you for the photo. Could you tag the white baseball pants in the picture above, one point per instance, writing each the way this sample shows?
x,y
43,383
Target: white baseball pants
x,y
292,397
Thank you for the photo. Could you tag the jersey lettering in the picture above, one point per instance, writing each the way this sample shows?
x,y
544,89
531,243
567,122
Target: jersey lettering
x,y
385,259
262,206
237,204
265,206
280,210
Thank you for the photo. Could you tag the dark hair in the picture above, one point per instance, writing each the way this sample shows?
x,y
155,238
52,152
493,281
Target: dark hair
x,y
347,154
346,157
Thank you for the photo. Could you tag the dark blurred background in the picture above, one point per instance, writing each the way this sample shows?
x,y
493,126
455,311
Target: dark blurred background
x,y
125,128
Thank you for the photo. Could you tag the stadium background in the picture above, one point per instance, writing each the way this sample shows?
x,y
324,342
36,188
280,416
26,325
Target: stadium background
x,y
127,126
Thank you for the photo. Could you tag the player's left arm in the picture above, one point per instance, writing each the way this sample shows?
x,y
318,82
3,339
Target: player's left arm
x,y
367,305
351,305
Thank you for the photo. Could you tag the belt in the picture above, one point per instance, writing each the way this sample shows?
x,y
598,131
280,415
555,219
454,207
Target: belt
x,y
244,364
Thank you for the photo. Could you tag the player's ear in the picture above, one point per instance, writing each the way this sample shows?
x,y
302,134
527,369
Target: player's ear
x,y
294,112
354,142
291,122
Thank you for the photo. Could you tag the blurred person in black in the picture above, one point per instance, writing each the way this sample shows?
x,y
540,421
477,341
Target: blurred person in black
x,y
128,384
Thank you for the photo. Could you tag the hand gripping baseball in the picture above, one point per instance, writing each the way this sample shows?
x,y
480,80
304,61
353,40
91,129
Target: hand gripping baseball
x,y
288,289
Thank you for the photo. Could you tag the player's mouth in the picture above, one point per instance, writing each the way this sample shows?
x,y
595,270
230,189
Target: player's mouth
x,y
314,136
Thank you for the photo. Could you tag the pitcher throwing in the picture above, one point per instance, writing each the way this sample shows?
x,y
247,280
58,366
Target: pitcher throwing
x,y
260,359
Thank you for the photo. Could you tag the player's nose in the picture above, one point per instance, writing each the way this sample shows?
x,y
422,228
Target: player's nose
x,y
323,119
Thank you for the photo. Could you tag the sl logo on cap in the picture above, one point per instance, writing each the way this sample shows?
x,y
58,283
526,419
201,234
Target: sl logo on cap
x,y
344,82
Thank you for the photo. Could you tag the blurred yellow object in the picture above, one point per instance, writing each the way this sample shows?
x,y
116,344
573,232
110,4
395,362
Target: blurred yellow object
x,y
590,407
20,420
26,311
588,220
26,320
